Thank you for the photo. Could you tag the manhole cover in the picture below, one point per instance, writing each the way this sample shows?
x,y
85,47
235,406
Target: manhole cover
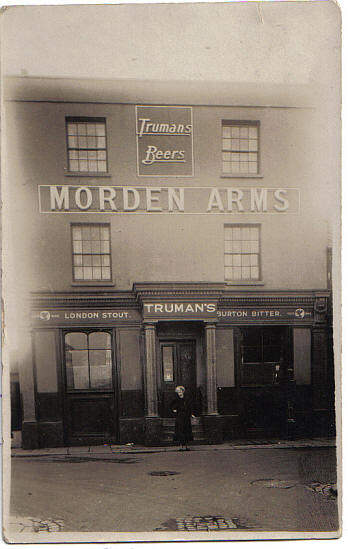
x,y
203,523
163,473
275,483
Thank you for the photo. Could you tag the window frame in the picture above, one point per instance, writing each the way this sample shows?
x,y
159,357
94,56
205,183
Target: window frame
x,y
90,281
87,331
86,120
239,281
256,123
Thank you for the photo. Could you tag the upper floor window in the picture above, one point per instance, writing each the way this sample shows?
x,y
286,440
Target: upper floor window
x,y
240,147
86,142
242,252
91,251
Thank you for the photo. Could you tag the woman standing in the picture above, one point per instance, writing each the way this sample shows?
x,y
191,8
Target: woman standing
x,y
182,409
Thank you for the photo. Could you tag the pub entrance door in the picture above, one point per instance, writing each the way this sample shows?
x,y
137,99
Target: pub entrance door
x,y
90,415
178,367
263,379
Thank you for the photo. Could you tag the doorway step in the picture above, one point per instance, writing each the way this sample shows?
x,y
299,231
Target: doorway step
x,y
168,425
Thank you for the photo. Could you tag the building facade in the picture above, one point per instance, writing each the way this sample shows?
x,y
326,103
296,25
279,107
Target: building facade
x,y
163,235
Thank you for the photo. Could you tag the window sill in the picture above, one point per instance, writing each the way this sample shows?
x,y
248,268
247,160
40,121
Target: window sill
x,y
96,283
87,174
241,176
245,283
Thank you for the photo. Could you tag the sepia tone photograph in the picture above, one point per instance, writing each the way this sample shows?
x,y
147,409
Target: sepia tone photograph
x,y
170,185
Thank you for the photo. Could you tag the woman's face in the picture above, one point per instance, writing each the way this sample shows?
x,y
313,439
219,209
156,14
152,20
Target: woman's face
x,y
180,392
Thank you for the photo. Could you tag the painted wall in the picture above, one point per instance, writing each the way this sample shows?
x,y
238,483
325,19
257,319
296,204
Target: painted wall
x,y
155,247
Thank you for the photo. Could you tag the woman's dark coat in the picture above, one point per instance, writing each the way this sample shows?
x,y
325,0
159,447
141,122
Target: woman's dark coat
x,y
183,429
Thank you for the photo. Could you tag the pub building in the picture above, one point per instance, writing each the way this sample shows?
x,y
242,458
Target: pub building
x,y
167,235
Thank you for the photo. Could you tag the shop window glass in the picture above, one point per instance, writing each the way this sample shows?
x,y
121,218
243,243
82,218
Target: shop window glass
x,y
91,252
240,147
242,253
88,361
86,144
262,349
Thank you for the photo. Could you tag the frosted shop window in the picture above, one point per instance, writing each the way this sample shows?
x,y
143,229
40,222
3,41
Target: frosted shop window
x,y
88,361
242,253
240,147
86,143
91,252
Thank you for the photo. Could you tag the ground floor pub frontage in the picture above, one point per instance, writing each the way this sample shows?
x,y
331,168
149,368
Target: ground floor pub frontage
x,y
102,368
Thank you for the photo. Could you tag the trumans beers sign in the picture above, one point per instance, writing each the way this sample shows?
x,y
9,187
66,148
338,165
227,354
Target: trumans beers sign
x,y
164,141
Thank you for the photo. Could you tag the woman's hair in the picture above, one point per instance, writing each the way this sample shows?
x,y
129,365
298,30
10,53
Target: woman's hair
x,y
179,387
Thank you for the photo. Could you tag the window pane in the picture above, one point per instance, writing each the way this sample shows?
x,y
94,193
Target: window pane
x,y
245,273
245,233
105,260
101,155
237,273
252,145
86,246
87,260
92,166
100,129
226,144
86,232
254,260
237,246
72,129
91,142
96,273
87,273
105,246
228,273
235,131
237,233
168,363
81,129
95,246
72,141
83,166
77,259
106,273
228,233
101,369
90,129
101,143
246,246
254,273
253,132
237,260
77,246
228,260
75,341
101,166
99,340
228,246
245,260
78,273
226,131
244,132
96,260
74,165
77,369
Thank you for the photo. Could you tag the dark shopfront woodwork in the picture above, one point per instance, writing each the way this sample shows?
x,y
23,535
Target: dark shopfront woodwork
x,y
90,413
178,367
265,380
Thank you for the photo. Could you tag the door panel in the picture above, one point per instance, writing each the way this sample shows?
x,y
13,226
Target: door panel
x,y
89,400
178,367
264,364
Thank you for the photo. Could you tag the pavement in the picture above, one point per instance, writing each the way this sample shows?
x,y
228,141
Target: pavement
x,y
130,448
128,492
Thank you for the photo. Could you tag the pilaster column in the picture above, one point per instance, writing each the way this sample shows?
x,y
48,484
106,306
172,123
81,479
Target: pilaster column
x,y
210,353
151,403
